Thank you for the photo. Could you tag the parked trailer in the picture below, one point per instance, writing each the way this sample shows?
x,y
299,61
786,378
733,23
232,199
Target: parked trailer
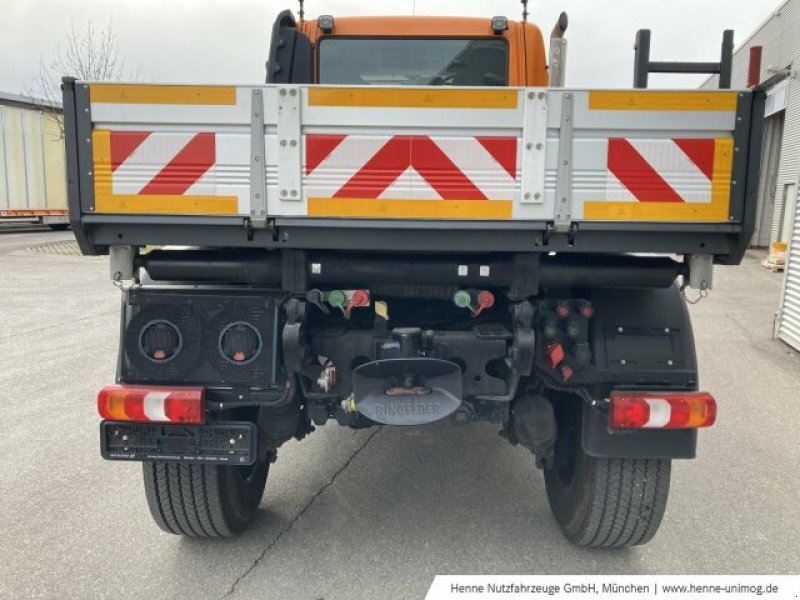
x,y
32,165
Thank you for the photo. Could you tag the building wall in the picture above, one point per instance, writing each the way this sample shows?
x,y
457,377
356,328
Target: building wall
x,y
32,162
779,35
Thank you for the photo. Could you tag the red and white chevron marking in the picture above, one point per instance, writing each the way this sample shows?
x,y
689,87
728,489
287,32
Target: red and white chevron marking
x,y
411,167
671,170
163,163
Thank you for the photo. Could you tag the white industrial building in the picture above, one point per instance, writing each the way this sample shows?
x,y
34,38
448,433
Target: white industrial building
x,y
771,56
33,184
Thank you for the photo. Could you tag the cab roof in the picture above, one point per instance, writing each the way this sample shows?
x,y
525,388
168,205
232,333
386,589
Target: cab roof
x,y
416,26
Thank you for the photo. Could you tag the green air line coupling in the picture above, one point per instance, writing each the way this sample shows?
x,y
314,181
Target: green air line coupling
x,y
462,300
337,299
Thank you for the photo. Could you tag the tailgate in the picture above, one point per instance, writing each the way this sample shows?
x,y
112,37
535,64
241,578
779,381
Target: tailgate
x,y
538,160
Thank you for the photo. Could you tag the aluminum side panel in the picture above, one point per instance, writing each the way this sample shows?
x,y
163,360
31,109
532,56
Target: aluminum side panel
x,y
448,154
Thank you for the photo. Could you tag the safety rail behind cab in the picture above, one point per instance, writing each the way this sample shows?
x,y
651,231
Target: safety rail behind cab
x,y
430,169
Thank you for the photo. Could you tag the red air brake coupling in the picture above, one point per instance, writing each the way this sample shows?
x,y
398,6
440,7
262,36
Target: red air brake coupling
x,y
359,298
485,300
555,354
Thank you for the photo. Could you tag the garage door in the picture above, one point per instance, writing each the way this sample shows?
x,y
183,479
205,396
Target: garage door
x,y
789,329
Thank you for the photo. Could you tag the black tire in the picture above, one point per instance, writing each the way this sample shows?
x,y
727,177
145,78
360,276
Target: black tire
x,y
209,501
604,502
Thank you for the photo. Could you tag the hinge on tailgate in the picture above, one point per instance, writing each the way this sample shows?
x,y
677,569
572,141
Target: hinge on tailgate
x,y
258,172
563,215
250,231
572,233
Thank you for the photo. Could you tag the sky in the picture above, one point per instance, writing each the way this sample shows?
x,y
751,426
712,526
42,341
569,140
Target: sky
x,y
226,41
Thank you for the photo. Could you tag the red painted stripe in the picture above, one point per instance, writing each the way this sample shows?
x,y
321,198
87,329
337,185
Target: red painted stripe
x,y
380,171
701,152
424,156
440,172
636,174
123,143
183,171
318,148
503,150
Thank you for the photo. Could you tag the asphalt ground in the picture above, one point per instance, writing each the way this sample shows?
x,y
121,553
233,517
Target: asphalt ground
x,y
369,514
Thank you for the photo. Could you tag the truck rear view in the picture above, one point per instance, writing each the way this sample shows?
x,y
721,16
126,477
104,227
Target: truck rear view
x,y
405,225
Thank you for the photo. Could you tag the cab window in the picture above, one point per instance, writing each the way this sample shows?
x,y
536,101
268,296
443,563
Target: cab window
x,y
413,61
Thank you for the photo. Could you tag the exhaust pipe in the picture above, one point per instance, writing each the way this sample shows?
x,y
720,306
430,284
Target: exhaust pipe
x,y
558,52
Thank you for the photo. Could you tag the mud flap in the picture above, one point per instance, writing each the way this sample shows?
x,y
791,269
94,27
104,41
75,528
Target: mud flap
x,y
601,442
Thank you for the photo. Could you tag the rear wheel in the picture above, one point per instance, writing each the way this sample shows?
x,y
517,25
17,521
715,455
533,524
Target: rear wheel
x,y
604,502
209,501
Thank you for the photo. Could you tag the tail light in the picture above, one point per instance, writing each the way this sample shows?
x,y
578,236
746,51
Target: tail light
x,y
156,404
664,410
240,343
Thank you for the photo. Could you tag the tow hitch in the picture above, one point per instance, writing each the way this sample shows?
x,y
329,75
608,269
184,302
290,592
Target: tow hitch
x,y
404,387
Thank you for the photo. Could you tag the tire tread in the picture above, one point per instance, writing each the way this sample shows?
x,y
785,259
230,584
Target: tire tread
x,y
627,502
187,499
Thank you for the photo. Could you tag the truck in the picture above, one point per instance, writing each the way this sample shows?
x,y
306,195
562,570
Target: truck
x,y
33,179
412,221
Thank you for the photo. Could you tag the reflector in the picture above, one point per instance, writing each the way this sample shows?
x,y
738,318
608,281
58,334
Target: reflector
x,y
661,410
151,404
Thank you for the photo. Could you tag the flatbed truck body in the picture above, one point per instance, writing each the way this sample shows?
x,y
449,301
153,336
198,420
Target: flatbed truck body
x,y
400,227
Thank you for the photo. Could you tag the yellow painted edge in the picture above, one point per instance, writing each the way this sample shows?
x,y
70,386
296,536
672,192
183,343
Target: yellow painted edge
x,y
101,157
412,98
123,93
167,204
107,202
716,210
683,101
722,177
409,209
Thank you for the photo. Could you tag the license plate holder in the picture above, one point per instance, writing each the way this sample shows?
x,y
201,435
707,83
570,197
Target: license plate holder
x,y
227,443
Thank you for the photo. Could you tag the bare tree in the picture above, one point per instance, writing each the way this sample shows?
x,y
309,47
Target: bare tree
x,y
89,55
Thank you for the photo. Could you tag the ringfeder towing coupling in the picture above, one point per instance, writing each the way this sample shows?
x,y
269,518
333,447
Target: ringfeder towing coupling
x,y
413,220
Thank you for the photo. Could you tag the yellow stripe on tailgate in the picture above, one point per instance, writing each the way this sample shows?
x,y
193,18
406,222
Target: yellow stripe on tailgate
x,y
167,204
125,93
409,209
684,101
412,98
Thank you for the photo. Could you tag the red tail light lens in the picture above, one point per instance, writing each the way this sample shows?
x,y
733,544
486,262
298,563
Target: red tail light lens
x,y
154,404
661,410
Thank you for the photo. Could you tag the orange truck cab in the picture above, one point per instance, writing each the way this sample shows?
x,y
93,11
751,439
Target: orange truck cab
x,y
457,51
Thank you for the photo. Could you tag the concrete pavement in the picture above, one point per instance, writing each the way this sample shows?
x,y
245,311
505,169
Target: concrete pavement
x,y
367,514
